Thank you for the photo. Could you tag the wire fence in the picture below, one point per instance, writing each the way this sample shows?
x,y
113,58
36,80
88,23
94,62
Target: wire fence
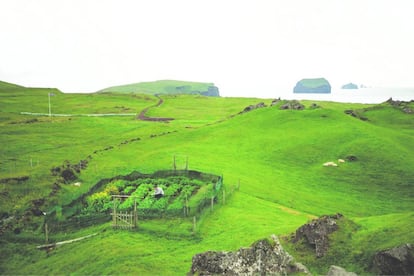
x,y
193,210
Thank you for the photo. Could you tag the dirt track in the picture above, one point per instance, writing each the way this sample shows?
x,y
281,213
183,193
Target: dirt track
x,y
142,116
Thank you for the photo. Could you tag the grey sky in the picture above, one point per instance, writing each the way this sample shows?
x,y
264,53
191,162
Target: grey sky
x,y
247,48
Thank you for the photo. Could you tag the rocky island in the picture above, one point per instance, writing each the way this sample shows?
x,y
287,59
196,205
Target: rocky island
x,y
350,86
317,85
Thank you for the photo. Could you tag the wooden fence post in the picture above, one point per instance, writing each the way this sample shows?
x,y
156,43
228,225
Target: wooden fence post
x,y
224,197
114,214
135,213
186,206
194,224
212,203
46,234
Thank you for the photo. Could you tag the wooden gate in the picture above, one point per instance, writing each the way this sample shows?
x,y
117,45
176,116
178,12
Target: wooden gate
x,y
124,220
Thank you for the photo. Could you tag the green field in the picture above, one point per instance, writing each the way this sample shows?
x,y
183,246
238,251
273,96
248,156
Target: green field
x,y
274,156
160,87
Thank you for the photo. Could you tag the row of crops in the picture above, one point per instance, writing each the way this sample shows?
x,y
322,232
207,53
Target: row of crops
x,y
182,194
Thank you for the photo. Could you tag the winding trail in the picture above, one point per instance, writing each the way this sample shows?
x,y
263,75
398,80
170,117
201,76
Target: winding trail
x,y
143,117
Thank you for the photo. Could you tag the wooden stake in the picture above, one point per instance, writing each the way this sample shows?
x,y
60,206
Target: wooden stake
x,y
114,214
186,206
46,234
194,224
135,213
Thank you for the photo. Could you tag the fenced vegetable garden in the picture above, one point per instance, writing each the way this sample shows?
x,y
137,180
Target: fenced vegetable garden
x,y
127,199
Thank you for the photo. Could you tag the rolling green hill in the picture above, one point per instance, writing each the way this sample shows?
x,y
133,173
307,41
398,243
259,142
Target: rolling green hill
x,y
6,85
275,156
165,87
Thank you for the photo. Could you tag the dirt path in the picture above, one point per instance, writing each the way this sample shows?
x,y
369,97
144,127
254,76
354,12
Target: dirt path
x,y
143,117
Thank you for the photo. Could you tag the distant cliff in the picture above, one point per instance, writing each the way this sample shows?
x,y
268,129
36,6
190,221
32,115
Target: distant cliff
x,y
166,87
350,86
318,85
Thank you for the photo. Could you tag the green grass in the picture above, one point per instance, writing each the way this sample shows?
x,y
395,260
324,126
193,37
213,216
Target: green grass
x,y
160,87
275,155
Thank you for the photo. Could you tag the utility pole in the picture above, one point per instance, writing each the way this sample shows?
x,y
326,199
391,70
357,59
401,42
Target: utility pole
x,y
50,107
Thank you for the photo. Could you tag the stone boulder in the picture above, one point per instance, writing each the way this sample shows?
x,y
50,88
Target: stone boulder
x,y
395,261
339,271
314,106
402,105
316,233
275,101
294,104
263,257
253,107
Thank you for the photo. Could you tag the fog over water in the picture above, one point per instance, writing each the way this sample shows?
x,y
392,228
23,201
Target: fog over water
x,y
362,95
247,48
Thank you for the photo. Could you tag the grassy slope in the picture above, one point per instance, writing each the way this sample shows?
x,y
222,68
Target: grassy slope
x,y
276,155
159,87
8,85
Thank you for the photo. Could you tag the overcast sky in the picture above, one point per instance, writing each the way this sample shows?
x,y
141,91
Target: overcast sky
x,y
247,48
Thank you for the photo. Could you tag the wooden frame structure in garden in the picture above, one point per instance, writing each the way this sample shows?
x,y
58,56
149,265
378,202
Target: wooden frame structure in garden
x,y
124,220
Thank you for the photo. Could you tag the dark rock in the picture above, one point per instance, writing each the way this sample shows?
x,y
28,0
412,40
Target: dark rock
x,y
314,106
318,85
408,110
339,271
355,114
351,158
395,261
212,91
402,105
294,104
68,175
275,101
263,257
16,180
253,107
317,231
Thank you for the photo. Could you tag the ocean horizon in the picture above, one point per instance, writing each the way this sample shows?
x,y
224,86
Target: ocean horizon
x,y
361,95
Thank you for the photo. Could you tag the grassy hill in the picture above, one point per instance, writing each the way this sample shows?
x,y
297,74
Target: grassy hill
x,y
161,87
7,85
275,156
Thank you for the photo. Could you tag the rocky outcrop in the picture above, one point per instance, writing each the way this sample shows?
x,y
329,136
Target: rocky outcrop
x,y
402,105
356,114
252,107
275,101
395,261
318,85
314,106
339,271
262,258
350,86
316,233
212,91
294,104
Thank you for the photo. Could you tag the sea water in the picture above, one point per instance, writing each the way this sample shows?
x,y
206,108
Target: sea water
x,y
361,95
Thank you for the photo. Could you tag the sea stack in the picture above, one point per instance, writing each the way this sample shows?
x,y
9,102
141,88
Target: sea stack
x,y
350,86
317,85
